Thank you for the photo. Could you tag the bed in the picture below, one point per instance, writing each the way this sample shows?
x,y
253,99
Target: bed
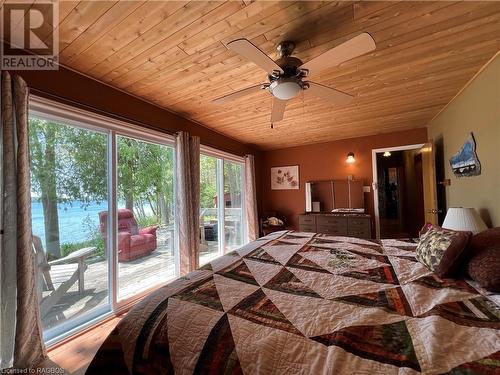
x,y
305,303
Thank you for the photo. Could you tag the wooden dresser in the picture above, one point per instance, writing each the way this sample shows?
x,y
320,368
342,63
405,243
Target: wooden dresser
x,y
352,225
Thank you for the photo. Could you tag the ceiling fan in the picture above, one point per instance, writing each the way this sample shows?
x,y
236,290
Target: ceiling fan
x,y
286,75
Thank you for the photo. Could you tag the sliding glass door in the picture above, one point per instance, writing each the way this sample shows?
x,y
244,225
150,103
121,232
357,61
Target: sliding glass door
x,y
104,232
221,206
209,209
69,190
145,215
102,214
233,205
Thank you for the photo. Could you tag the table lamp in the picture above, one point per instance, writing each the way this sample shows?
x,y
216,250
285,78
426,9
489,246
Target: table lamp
x,y
464,219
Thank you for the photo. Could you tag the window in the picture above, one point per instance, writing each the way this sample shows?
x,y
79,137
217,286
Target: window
x,y
69,179
145,215
233,205
103,212
209,211
86,169
221,206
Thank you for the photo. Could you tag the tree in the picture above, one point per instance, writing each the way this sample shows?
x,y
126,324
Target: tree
x,y
145,177
43,138
208,181
67,165
232,183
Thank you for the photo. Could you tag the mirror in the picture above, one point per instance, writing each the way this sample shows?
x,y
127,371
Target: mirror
x,y
334,195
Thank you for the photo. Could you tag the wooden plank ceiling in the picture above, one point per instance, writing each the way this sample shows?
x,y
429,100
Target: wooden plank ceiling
x,y
174,54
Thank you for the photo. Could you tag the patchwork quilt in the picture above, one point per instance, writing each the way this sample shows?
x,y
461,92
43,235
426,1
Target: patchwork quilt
x,y
305,303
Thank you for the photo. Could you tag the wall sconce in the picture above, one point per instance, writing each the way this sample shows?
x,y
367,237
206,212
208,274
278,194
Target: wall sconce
x,y
350,158
387,154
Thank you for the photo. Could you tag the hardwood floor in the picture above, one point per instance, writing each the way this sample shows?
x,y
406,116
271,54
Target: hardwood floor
x,y
75,355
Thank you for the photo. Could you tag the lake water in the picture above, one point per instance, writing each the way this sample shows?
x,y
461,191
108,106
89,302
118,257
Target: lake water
x,y
75,220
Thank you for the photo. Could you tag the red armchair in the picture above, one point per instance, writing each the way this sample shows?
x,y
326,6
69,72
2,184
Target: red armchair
x,y
133,242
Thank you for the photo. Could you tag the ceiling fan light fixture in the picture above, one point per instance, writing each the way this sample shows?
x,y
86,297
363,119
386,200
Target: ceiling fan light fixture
x,y
286,75
285,89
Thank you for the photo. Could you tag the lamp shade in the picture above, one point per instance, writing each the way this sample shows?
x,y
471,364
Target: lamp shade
x,y
464,219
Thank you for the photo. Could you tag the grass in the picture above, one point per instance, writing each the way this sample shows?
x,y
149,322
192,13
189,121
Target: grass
x,y
97,241
147,221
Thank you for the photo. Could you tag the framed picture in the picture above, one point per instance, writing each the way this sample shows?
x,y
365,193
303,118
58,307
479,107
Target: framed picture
x,y
465,162
285,178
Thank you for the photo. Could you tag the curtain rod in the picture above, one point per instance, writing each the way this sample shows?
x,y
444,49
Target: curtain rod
x,y
55,97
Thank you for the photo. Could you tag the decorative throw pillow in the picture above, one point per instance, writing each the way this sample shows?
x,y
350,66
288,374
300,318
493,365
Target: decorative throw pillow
x,y
442,250
483,260
485,239
484,267
425,229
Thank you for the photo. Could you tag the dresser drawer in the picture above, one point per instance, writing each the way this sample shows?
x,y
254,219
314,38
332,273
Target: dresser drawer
x,y
333,230
307,228
360,233
307,219
332,220
359,221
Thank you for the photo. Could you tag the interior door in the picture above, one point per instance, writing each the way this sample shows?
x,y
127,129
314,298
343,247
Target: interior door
x,y
429,183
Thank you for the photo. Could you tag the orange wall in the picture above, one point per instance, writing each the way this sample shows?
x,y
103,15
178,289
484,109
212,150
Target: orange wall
x,y
326,161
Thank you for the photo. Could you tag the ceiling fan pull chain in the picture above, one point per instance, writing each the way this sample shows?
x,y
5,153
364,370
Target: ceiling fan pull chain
x,y
303,108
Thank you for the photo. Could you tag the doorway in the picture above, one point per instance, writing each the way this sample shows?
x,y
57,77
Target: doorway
x,y
401,190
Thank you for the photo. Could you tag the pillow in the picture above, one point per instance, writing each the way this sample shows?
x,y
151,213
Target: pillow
x,y
483,261
425,229
485,239
442,250
484,266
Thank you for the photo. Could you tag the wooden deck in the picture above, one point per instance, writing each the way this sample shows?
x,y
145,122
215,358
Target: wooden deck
x,y
133,277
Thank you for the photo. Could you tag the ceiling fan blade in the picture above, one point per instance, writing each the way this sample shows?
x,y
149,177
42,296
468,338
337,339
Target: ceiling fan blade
x,y
278,110
332,95
237,94
249,51
357,46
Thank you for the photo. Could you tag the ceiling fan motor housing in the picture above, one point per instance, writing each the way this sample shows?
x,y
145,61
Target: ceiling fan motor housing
x,y
285,48
288,84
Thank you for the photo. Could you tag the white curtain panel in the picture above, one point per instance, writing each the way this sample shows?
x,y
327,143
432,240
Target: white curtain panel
x,y
21,338
252,221
187,198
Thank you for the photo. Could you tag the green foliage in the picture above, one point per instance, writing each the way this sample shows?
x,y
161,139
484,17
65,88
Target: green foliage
x,y
97,242
208,181
80,167
95,239
147,221
232,183
146,178
70,164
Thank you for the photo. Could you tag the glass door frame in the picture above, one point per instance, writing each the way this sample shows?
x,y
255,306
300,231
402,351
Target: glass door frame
x,y
221,158
160,139
74,116
47,109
